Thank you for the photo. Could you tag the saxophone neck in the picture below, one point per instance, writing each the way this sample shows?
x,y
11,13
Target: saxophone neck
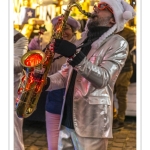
x,y
58,29
74,3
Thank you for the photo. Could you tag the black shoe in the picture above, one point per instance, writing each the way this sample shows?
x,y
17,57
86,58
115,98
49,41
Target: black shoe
x,y
118,125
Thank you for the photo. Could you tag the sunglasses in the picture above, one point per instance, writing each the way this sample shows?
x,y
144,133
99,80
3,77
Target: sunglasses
x,y
102,6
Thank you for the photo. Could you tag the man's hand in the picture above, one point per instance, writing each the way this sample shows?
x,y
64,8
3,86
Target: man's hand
x,y
46,84
64,47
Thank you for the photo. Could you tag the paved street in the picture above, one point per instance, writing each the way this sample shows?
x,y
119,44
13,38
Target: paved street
x,y
35,136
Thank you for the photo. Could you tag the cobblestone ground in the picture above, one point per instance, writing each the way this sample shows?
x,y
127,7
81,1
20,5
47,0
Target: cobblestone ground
x,y
35,136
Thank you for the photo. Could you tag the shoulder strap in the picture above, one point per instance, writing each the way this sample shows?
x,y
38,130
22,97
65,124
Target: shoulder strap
x,y
17,37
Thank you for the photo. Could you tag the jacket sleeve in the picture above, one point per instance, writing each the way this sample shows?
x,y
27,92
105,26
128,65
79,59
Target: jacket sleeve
x,y
109,65
20,48
58,80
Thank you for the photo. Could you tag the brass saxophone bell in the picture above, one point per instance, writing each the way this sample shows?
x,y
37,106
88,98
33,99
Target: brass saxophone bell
x,y
33,58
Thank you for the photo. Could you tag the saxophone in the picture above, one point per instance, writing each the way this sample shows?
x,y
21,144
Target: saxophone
x,y
36,65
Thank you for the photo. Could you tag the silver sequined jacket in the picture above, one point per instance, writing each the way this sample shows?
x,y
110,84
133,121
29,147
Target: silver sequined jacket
x,y
93,92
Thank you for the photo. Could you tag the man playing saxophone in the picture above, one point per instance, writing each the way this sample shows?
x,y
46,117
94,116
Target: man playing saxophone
x,y
86,117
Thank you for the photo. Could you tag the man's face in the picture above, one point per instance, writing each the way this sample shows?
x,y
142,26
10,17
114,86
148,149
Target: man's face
x,y
102,17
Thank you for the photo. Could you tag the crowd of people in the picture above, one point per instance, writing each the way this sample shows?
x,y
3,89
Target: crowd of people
x,y
81,85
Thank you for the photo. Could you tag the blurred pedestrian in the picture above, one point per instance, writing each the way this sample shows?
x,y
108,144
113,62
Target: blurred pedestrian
x,y
20,48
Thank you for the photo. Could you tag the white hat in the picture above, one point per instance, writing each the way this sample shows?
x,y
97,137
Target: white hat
x,y
71,21
122,11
